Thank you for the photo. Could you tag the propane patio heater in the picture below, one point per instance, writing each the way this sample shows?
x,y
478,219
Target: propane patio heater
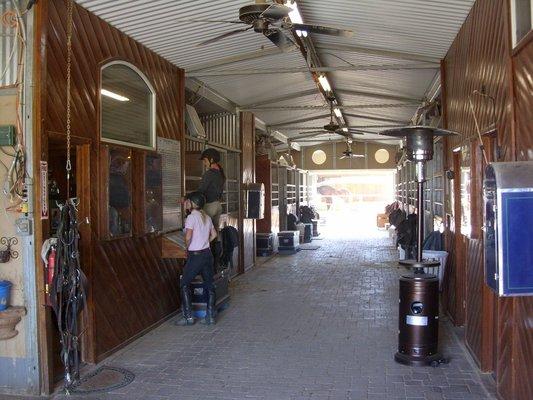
x,y
419,291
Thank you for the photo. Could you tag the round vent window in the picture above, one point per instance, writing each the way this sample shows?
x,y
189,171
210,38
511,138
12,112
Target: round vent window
x,y
319,157
382,156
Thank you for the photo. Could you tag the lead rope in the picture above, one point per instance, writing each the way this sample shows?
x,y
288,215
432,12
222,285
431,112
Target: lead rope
x,y
68,288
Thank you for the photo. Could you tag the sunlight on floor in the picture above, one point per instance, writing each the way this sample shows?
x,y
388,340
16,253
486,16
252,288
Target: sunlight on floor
x,y
354,221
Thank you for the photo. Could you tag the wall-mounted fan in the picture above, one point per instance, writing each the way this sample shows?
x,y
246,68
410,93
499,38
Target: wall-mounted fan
x,y
348,153
272,20
264,146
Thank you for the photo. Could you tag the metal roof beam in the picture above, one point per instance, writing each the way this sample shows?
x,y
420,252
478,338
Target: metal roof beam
x,y
378,52
414,103
290,96
286,146
372,118
299,70
378,96
259,124
308,128
209,94
297,121
234,59
280,137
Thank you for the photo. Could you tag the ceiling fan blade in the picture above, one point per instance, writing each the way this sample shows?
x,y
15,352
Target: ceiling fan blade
x,y
343,157
276,12
323,30
210,21
357,156
224,35
279,39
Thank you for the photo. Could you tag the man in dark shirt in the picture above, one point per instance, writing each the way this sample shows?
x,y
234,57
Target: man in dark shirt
x,y
212,184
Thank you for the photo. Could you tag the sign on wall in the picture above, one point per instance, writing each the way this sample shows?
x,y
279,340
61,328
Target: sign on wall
x,y
44,189
170,151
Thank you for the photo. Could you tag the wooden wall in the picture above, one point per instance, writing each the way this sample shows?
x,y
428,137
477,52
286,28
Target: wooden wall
x,y
522,307
131,287
247,127
498,333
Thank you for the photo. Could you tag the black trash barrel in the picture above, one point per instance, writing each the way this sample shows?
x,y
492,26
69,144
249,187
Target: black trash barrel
x,y
419,319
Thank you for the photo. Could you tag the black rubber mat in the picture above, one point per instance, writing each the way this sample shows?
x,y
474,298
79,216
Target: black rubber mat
x,y
103,379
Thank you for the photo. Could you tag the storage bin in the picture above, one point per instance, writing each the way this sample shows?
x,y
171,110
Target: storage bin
x,y
441,256
5,291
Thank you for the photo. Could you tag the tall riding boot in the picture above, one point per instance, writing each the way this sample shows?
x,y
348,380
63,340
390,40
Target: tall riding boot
x,y
210,311
186,318
216,250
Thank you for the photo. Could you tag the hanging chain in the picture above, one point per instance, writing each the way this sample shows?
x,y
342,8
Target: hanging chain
x,y
68,165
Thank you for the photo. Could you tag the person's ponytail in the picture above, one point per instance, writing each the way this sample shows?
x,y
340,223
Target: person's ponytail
x,y
203,214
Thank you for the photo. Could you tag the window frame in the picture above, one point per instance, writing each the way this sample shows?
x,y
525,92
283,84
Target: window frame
x,y
153,114
514,41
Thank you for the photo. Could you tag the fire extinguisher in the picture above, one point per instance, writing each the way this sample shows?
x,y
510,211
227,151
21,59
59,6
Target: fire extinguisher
x,y
50,271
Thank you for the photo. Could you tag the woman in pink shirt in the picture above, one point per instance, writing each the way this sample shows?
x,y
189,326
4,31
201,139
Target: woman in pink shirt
x,y
199,232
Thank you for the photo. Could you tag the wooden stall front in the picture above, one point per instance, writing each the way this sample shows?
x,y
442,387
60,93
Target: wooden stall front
x,y
498,331
232,134
131,287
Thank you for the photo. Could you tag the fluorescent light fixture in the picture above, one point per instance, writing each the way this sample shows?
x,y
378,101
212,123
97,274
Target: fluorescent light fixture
x,y
113,95
337,112
324,83
296,17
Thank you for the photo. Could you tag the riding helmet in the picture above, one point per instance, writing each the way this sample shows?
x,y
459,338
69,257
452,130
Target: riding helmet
x,y
197,198
211,154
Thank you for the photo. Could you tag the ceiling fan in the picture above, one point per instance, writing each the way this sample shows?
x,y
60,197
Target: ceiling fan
x,y
272,20
348,153
332,127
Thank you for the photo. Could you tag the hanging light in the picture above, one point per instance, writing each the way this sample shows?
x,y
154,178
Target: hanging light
x,y
323,80
113,95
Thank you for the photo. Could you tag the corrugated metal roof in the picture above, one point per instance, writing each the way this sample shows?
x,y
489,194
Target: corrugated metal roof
x,y
156,24
413,26
387,32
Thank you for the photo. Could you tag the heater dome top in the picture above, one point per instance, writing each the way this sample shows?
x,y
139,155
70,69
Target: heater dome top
x,y
417,129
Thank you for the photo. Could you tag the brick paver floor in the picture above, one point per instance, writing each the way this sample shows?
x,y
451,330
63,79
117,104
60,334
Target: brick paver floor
x,y
320,324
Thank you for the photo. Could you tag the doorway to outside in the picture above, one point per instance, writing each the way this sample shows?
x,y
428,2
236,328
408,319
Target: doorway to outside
x,y
349,201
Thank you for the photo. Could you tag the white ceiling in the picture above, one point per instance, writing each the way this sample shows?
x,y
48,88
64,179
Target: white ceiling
x,y
406,33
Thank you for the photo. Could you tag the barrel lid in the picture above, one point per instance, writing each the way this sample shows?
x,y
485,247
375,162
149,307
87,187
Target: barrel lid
x,y
418,277
420,264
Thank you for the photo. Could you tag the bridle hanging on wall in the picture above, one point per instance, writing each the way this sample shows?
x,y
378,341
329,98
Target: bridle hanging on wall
x,y
68,288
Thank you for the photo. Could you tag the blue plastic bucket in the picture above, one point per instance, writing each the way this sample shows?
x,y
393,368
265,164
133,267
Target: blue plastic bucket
x,y
5,289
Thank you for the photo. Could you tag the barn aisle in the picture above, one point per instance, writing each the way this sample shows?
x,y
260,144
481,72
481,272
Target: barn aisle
x,y
317,325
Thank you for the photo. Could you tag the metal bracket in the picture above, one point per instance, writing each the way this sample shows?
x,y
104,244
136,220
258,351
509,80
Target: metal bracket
x,y
8,253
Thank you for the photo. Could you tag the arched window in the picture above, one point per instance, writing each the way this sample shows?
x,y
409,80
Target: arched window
x,y
127,106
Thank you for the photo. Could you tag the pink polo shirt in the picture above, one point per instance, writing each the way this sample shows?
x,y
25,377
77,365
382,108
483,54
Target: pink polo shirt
x,y
200,230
